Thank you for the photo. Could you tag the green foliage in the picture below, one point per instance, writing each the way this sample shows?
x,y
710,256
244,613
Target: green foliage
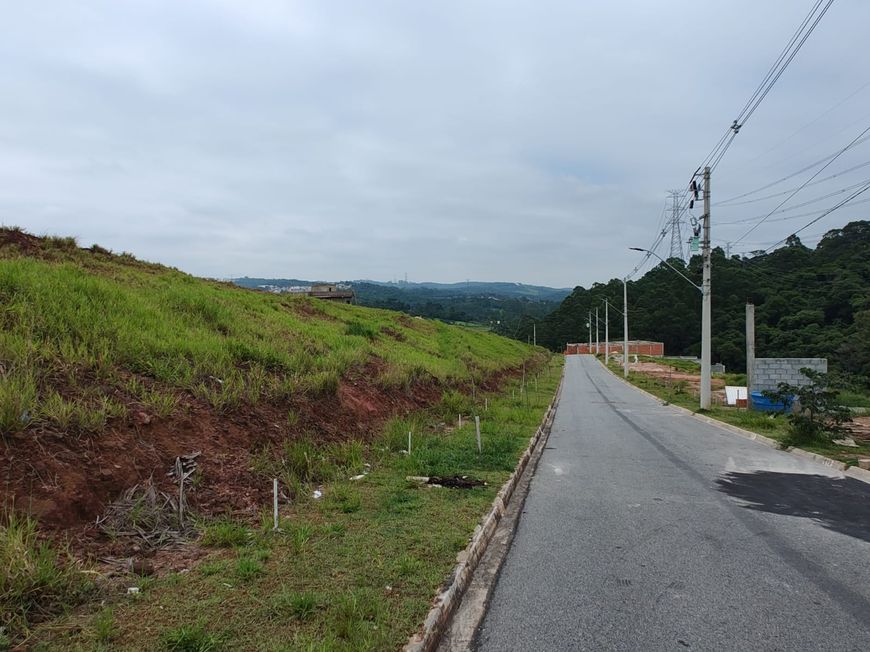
x,y
809,303
247,568
36,579
820,416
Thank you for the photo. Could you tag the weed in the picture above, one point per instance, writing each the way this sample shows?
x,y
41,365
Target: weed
x,y
37,579
190,638
247,568
104,625
216,567
361,330
287,603
225,533
344,498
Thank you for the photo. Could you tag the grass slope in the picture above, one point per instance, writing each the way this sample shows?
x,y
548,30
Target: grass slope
x,y
100,353
69,315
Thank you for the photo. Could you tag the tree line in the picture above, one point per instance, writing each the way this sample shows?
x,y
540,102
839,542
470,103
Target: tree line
x,y
810,302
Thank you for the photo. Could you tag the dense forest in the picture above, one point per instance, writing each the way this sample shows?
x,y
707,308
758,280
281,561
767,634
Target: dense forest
x,y
809,303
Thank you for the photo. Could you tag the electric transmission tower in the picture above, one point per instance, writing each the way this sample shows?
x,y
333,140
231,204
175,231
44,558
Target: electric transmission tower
x,y
676,214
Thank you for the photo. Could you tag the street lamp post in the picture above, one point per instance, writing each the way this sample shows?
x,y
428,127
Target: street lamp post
x,y
705,326
625,327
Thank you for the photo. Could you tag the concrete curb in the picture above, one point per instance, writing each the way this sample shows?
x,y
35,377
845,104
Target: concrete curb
x,y
851,471
446,601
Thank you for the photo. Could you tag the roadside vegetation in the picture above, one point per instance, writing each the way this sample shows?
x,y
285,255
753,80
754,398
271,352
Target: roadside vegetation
x,y
770,424
112,368
355,569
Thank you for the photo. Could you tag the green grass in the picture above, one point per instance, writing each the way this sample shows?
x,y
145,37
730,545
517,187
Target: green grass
x,y
851,398
354,570
37,580
771,425
70,316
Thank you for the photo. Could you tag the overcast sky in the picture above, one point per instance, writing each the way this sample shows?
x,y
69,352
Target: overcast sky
x,y
516,141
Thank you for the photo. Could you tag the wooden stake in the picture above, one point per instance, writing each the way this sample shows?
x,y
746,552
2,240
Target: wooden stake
x,y
409,443
275,502
477,428
179,471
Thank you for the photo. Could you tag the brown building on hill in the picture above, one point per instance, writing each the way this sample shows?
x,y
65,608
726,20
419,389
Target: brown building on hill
x,y
330,292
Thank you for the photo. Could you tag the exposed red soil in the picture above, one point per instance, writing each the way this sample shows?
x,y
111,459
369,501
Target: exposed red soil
x,y
67,480
670,375
859,429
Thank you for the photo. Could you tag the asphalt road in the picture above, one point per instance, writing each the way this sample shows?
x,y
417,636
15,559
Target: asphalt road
x,y
647,529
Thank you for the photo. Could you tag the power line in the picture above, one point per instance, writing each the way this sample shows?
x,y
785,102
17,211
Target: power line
x,y
727,204
795,43
790,176
833,193
803,185
864,189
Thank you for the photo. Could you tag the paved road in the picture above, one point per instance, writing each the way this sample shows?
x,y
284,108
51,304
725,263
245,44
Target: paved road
x,y
646,529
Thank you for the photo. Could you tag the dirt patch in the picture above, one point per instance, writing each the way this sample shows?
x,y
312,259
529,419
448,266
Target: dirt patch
x,y
673,378
392,332
22,241
68,480
456,482
859,429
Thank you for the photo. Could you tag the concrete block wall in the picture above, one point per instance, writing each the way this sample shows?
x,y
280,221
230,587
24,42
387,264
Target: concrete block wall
x,y
770,372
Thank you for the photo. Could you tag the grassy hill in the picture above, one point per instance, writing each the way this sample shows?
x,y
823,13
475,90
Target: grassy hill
x,y
110,367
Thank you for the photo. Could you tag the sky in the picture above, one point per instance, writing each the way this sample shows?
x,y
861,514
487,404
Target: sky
x,y
514,141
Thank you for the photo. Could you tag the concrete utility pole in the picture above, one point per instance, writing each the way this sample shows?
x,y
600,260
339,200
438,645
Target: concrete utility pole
x,y
589,324
625,328
597,341
606,330
706,314
535,334
750,352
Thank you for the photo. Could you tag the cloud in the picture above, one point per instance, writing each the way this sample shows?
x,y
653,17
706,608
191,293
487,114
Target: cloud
x,y
490,140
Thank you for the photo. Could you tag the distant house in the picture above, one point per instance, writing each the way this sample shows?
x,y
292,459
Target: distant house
x,y
331,292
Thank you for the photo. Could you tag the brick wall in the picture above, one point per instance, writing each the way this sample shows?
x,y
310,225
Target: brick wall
x,y
769,372
634,347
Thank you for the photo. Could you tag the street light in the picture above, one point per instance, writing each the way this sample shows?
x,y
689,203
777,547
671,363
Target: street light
x,y
705,332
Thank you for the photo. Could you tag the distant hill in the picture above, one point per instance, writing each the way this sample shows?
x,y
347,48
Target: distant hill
x,y
501,306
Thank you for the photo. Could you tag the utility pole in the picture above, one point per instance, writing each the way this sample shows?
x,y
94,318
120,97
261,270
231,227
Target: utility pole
x,y
750,352
606,330
535,334
706,314
589,324
597,341
625,328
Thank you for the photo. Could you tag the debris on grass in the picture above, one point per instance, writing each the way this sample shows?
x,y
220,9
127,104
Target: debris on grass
x,y
146,514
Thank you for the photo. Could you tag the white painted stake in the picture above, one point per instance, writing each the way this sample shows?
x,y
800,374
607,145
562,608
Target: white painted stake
x,y
275,502
477,428
486,405
409,443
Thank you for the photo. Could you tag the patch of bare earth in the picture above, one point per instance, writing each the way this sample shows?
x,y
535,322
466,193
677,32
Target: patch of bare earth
x,y
69,480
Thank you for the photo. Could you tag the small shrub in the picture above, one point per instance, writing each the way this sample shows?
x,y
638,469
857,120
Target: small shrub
x,y
820,417
225,533
190,638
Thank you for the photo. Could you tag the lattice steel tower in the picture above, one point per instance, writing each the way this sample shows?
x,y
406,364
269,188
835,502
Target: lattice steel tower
x,y
676,214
